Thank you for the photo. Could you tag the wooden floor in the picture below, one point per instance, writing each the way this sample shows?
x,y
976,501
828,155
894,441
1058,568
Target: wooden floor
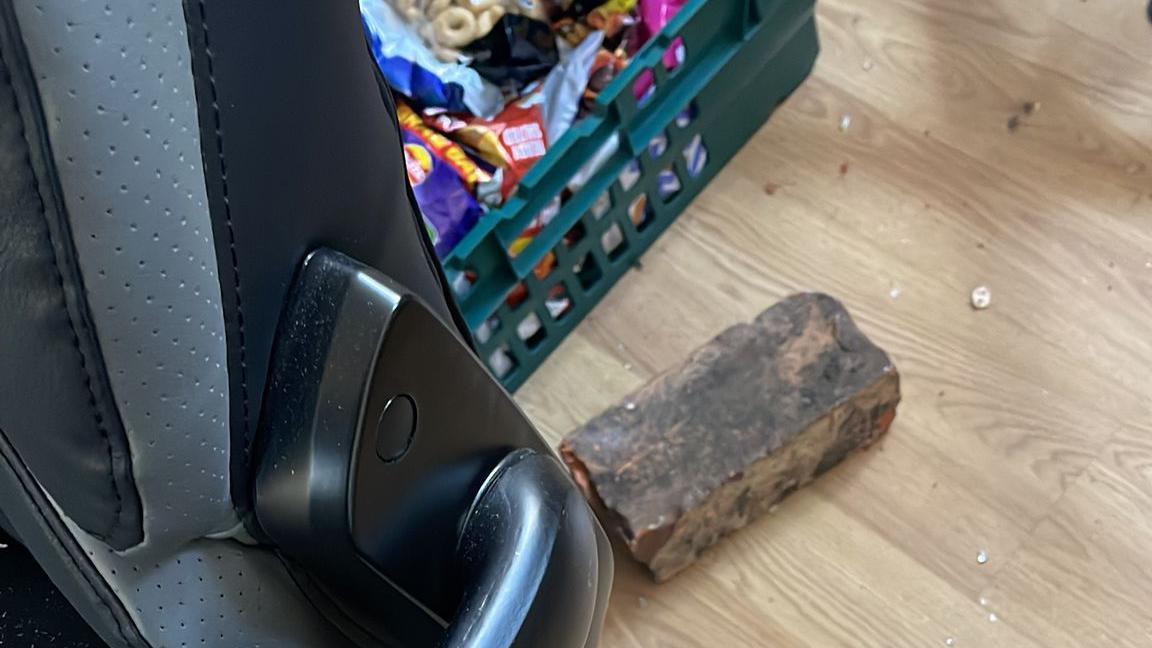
x,y
1026,429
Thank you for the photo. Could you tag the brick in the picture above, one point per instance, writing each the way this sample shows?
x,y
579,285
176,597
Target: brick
x,y
748,418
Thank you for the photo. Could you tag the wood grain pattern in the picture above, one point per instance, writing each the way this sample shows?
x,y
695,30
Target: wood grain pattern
x,y
1025,429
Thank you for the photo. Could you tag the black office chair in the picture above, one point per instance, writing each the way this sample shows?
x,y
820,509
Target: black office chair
x,y
238,406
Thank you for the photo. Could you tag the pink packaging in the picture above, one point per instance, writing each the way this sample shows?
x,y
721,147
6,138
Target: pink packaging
x,y
654,16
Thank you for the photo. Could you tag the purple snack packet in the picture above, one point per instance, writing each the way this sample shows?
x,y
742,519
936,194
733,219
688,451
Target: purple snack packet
x,y
449,210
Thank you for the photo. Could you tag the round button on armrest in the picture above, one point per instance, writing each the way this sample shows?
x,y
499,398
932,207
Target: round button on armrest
x,y
395,428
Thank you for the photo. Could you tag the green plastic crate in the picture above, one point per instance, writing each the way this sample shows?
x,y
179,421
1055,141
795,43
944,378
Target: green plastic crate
x,y
743,57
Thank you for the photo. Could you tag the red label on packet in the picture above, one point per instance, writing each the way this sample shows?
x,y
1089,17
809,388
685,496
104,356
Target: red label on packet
x,y
521,131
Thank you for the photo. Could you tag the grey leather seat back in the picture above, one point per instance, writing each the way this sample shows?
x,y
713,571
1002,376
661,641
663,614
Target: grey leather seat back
x,y
154,214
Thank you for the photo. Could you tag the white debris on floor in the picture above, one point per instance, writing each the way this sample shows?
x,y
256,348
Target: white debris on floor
x,y
981,297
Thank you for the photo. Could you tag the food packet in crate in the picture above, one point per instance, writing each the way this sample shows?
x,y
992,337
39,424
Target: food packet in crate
x,y
413,69
518,137
513,141
442,177
564,86
605,68
517,51
654,16
574,21
524,239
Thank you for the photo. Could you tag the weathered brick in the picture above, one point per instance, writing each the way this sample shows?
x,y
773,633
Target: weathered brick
x,y
748,418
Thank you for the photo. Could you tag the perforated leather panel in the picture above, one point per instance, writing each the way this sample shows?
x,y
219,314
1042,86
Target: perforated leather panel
x,y
118,98
216,594
116,85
